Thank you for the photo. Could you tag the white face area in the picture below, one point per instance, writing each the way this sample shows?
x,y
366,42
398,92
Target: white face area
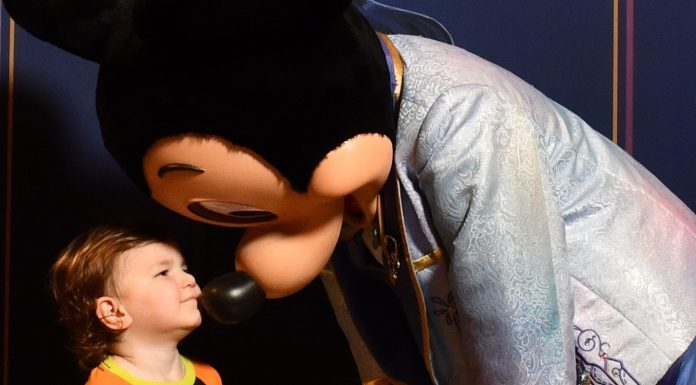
x,y
158,293
290,235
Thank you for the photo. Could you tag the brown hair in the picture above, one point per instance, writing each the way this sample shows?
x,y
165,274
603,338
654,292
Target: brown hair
x,y
84,272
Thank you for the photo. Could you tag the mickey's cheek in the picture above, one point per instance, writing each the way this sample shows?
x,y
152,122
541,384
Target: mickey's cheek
x,y
283,260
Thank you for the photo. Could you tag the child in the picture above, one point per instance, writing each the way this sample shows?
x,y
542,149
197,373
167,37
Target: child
x,y
127,300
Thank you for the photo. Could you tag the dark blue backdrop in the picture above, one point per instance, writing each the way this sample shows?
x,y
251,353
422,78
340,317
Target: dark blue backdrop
x,y
58,180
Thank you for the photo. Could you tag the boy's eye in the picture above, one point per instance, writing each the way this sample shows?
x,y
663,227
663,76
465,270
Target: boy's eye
x,y
162,273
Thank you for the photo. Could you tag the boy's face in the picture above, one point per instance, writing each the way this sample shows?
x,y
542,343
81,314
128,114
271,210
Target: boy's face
x,y
158,293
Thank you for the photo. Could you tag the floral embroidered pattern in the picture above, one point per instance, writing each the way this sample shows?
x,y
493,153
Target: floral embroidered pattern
x,y
447,308
594,362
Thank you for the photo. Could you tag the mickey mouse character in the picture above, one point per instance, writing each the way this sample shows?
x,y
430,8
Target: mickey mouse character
x,y
469,229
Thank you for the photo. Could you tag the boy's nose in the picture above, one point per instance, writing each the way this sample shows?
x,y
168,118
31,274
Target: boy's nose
x,y
188,280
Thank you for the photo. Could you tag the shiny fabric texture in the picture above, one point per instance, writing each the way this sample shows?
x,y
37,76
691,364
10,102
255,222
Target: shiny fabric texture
x,y
559,246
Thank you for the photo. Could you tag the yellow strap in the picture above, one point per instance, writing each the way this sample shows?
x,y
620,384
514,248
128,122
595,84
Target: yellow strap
x,y
398,65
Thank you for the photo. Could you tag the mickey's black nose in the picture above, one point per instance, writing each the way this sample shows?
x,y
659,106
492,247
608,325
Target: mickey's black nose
x,y
232,298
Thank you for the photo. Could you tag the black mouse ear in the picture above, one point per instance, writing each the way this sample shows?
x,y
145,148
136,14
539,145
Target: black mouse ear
x,y
164,22
82,27
93,29
325,8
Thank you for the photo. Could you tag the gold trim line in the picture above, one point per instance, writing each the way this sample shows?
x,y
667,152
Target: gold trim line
x,y
398,65
425,326
428,260
8,206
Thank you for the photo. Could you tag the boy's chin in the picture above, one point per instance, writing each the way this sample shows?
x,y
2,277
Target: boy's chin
x,y
195,321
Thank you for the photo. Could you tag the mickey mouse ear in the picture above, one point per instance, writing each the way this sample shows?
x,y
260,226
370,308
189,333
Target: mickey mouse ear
x,y
163,23
82,27
92,28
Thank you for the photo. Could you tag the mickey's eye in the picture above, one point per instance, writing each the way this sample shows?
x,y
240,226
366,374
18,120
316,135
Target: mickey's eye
x,y
229,212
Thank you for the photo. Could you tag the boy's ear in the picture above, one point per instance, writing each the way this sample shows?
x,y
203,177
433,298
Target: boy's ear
x,y
112,314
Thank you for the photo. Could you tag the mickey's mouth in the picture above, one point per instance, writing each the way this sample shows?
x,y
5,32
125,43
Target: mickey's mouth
x,y
353,213
230,213
284,257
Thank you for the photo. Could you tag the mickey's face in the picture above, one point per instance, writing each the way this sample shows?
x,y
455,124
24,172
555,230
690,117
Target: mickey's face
x,y
290,235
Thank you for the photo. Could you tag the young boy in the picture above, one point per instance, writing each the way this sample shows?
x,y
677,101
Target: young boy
x,y
127,300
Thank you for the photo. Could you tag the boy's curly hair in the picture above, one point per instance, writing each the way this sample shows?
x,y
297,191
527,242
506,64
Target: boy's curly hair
x,y
84,272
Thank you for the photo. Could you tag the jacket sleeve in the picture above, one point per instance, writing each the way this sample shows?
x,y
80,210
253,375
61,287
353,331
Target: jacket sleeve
x,y
482,166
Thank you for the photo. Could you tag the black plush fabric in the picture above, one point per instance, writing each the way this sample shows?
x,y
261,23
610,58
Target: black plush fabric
x,y
289,80
82,27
